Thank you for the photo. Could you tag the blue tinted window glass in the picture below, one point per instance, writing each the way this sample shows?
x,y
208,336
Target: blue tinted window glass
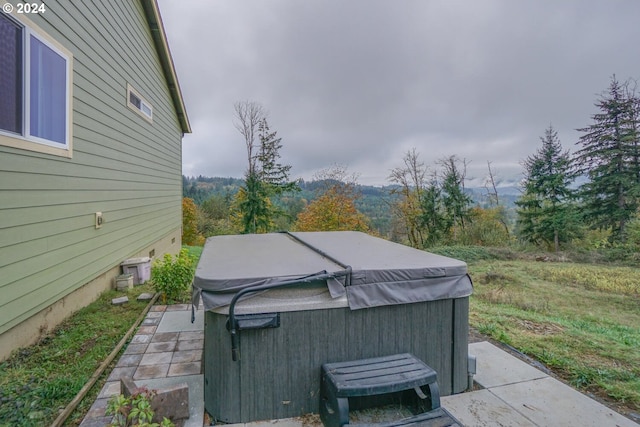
x,y
10,75
48,86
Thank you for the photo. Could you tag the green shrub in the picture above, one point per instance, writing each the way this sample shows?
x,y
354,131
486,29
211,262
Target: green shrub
x,y
171,276
134,410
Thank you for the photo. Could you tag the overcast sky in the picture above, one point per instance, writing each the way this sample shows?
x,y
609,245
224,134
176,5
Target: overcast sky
x,y
358,83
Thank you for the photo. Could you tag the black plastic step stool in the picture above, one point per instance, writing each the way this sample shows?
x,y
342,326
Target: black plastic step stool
x,y
375,376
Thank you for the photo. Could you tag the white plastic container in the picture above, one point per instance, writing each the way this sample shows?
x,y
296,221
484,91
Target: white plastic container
x,y
124,282
140,268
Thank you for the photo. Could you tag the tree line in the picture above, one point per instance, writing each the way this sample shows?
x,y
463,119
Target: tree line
x,y
554,211
590,197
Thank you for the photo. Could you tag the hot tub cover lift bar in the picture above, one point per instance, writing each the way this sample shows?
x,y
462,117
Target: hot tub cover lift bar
x,y
322,275
233,323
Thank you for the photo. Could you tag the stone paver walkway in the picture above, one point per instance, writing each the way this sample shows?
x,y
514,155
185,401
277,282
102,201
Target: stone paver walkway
x,y
159,350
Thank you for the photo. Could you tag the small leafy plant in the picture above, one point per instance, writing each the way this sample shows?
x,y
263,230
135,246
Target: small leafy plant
x,y
171,276
135,410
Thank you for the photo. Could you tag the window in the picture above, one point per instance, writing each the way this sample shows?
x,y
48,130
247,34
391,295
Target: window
x,y
137,103
35,85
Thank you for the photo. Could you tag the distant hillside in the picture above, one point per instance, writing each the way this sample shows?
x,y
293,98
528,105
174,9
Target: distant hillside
x,y
374,202
202,188
507,196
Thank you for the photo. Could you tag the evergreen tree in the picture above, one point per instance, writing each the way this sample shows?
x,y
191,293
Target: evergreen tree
x,y
273,174
456,203
430,211
545,211
609,159
265,176
253,208
434,219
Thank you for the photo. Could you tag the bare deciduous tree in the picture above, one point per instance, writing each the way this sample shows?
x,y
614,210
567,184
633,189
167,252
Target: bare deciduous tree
x,y
490,186
248,115
492,192
411,178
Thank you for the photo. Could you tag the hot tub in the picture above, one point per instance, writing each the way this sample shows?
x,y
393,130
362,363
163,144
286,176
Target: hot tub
x,y
360,297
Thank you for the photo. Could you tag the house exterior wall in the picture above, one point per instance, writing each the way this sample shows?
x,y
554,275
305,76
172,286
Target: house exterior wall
x,y
121,164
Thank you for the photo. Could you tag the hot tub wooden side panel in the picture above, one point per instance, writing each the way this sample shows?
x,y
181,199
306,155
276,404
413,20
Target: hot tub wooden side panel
x,y
278,375
221,377
460,344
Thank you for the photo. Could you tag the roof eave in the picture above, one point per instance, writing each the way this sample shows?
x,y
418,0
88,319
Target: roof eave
x,y
154,20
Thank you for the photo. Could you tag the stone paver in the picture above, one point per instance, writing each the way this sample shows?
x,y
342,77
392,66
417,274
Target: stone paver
x,y
150,330
151,371
165,336
118,373
95,422
156,358
190,345
141,339
154,314
151,321
136,348
129,360
517,394
548,402
190,336
196,395
180,369
110,388
99,405
160,347
180,321
187,356
483,409
179,307
497,368
145,297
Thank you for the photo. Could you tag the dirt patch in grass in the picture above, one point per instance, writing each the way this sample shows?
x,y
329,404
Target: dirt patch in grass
x,y
540,328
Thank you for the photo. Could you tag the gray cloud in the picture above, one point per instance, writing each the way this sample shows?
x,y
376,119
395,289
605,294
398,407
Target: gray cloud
x,y
361,82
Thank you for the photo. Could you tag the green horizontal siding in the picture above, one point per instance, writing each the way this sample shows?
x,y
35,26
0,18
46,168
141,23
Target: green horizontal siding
x,y
67,250
66,226
62,197
49,285
24,169
122,165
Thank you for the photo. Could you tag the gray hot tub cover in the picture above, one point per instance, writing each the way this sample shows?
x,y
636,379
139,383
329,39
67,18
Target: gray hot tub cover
x,y
372,271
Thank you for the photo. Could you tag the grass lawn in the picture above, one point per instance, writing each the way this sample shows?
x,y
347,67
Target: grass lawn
x,y
194,251
582,321
38,382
